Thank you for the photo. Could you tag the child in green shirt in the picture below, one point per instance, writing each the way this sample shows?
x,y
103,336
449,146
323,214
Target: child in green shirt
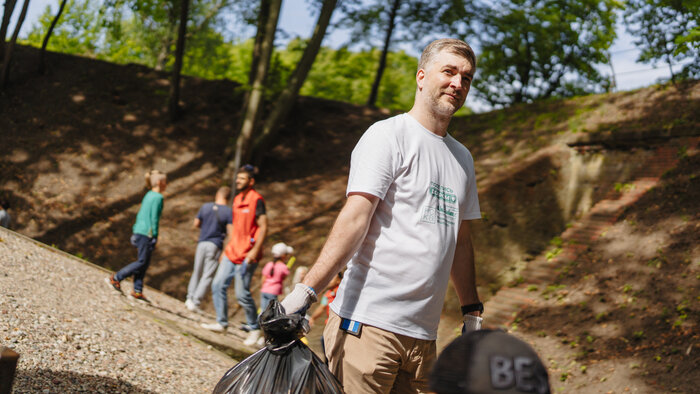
x,y
145,235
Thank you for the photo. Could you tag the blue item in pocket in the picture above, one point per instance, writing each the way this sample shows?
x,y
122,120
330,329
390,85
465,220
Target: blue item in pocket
x,y
352,327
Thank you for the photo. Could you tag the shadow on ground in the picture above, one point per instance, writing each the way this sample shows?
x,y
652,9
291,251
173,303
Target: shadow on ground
x,y
46,380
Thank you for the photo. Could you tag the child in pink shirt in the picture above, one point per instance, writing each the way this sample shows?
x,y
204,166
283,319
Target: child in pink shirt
x,y
273,274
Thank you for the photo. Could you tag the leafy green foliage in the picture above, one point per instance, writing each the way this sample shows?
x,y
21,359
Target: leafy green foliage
x,y
89,29
347,76
417,21
139,31
536,49
77,32
667,31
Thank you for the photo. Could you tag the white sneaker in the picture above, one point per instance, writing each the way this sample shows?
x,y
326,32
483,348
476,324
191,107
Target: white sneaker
x,y
192,307
216,327
253,337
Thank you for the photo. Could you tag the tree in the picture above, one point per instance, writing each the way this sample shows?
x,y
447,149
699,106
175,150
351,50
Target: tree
x,y
42,63
7,14
7,58
345,75
536,49
402,21
174,105
285,101
666,30
253,106
382,60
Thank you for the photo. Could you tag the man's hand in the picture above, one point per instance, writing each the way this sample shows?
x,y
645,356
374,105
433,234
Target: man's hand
x,y
299,300
471,323
251,256
154,241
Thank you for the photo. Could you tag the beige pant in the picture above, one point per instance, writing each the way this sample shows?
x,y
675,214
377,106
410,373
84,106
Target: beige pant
x,y
378,361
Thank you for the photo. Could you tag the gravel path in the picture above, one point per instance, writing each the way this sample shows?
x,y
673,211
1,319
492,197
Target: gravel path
x,y
75,334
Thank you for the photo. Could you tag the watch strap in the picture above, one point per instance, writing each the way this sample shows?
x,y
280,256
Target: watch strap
x,y
477,307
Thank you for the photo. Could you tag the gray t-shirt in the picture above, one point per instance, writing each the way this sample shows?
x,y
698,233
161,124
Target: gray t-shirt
x,y
398,278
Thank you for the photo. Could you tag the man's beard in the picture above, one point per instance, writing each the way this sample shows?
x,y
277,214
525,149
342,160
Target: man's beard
x,y
441,108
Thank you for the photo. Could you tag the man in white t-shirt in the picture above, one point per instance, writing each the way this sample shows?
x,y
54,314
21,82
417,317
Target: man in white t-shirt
x,y
405,230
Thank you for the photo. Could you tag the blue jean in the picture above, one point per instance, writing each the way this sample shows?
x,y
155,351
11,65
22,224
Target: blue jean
x,y
137,269
265,299
222,280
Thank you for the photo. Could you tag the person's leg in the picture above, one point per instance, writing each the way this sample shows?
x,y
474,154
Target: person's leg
x,y
210,263
368,364
265,299
141,242
222,280
414,371
196,271
140,273
245,299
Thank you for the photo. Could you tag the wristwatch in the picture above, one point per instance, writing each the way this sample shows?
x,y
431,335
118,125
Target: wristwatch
x,y
478,307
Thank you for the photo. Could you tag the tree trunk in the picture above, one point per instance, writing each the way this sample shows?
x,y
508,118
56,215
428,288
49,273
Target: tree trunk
x,y
254,103
670,68
174,106
7,14
286,100
382,60
612,69
263,17
10,48
42,54
259,36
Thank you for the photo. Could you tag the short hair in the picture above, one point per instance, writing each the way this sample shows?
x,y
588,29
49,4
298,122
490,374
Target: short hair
x,y
249,169
154,177
5,204
452,45
224,191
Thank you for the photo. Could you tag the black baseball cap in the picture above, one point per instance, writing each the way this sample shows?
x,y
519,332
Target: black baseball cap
x,y
488,362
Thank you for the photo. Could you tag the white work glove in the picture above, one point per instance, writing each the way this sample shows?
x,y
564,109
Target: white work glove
x,y
471,323
299,300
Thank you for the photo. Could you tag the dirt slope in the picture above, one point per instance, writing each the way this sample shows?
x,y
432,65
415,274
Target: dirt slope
x,y
625,316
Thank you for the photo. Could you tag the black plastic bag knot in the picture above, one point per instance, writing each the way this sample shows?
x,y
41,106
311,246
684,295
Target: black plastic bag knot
x,y
284,365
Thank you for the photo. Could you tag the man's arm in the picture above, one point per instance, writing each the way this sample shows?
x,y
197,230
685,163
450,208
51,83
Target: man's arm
x,y
348,232
197,223
261,221
463,272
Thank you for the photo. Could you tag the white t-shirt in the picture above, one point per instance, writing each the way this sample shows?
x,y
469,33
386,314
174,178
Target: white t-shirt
x,y
398,278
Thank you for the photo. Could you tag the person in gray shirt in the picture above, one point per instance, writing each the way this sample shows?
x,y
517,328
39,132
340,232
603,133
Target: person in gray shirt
x,y
4,215
213,220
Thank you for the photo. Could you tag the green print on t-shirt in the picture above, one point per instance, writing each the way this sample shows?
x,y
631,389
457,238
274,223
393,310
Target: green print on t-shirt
x,y
442,209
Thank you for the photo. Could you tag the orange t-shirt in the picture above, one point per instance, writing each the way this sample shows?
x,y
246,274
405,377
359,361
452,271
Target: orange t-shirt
x,y
245,228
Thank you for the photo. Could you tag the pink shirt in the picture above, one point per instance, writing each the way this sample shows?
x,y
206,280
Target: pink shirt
x,y
272,281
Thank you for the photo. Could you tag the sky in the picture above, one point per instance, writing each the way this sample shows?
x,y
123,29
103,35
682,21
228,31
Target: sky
x,y
296,19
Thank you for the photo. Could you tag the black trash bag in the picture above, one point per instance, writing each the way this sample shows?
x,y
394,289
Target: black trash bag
x,y
284,365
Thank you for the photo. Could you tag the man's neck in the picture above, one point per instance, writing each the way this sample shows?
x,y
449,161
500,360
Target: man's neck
x,y
221,201
245,191
432,122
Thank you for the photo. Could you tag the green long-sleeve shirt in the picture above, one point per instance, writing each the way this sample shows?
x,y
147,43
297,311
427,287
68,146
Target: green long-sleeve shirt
x,y
149,215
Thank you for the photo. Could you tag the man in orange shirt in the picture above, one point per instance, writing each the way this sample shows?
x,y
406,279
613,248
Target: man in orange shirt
x,y
241,255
